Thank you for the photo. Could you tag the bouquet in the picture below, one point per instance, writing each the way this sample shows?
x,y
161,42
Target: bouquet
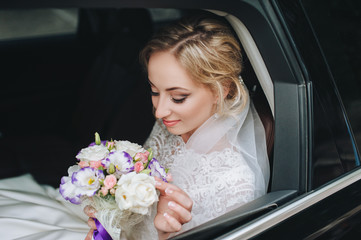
x,y
117,179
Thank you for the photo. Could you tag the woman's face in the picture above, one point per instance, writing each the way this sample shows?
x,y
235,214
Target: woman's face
x,y
181,103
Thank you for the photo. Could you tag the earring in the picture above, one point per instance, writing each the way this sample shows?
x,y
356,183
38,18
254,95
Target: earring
x,y
241,80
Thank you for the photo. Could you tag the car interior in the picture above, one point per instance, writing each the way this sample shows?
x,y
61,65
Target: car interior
x,y
58,90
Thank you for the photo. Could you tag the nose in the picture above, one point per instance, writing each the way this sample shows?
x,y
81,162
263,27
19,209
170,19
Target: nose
x,y
162,108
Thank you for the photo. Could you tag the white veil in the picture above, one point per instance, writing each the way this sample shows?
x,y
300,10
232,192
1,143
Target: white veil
x,y
223,165
244,133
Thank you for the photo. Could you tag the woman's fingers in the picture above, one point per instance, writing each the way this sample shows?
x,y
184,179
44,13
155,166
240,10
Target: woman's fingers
x,y
174,208
89,236
166,223
183,215
179,197
174,193
91,223
90,211
174,224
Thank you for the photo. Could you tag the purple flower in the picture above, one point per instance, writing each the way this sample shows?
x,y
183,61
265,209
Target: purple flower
x,y
86,181
122,163
156,170
67,189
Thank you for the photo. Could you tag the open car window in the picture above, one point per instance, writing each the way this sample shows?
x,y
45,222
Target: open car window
x,y
58,90
65,82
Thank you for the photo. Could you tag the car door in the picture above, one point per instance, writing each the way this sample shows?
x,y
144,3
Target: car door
x,y
315,155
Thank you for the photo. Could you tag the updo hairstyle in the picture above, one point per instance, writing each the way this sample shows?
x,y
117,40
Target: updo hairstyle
x,y
211,55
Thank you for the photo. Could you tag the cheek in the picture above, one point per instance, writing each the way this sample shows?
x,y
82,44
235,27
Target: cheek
x,y
194,109
205,103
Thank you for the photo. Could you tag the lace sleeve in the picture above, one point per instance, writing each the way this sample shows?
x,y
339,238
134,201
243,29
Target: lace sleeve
x,y
217,183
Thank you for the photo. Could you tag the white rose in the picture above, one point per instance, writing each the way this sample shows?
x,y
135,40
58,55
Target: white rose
x,y
136,192
130,148
93,153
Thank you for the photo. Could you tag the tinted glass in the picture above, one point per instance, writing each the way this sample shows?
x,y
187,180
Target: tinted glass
x,y
327,163
337,24
17,24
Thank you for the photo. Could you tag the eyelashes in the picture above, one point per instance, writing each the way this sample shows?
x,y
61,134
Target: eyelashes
x,y
154,94
181,100
175,100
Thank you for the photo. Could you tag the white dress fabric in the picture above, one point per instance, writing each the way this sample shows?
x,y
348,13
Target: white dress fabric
x,y
29,211
223,165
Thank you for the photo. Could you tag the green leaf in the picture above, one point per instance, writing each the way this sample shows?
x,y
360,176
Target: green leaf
x,y
150,154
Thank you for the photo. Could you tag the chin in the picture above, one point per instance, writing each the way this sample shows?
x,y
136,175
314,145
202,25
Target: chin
x,y
174,131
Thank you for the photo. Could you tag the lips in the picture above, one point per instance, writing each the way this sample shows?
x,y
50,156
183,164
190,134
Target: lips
x,y
168,123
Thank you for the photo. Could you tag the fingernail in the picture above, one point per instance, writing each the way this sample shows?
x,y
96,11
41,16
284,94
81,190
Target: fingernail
x,y
171,204
166,215
168,191
158,183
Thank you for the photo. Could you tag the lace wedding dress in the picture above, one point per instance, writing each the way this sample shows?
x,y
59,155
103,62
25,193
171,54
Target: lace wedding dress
x,y
223,165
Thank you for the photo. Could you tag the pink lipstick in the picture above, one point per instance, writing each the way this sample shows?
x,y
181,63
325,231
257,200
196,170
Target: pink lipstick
x,y
170,123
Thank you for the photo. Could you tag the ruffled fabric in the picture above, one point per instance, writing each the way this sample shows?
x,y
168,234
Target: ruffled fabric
x,y
31,211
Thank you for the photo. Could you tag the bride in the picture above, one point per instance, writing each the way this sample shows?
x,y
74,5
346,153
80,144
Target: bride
x,y
207,133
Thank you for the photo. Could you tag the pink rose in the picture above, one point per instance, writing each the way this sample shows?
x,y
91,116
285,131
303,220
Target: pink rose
x,y
95,164
143,157
110,145
104,191
138,166
83,164
110,181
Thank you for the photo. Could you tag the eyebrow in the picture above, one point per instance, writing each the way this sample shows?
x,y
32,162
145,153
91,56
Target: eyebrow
x,y
170,89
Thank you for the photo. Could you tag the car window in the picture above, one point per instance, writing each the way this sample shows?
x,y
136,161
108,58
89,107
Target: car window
x,y
26,23
164,14
337,26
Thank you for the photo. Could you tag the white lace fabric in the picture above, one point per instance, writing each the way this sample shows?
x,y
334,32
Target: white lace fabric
x,y
222,166
220,173
217,182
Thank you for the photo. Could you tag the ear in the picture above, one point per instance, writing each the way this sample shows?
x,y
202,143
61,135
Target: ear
x,y
225,91
225,94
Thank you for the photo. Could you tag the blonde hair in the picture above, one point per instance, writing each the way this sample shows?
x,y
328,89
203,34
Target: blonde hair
x,y
208,50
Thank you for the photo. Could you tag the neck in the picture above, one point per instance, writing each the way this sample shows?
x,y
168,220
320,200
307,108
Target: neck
x,y
186,136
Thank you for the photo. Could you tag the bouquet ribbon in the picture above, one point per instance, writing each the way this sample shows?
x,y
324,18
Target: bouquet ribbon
x,y
100,233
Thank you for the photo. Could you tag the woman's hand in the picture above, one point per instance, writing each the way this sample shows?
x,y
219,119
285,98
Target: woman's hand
x,y
174,209
90,211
